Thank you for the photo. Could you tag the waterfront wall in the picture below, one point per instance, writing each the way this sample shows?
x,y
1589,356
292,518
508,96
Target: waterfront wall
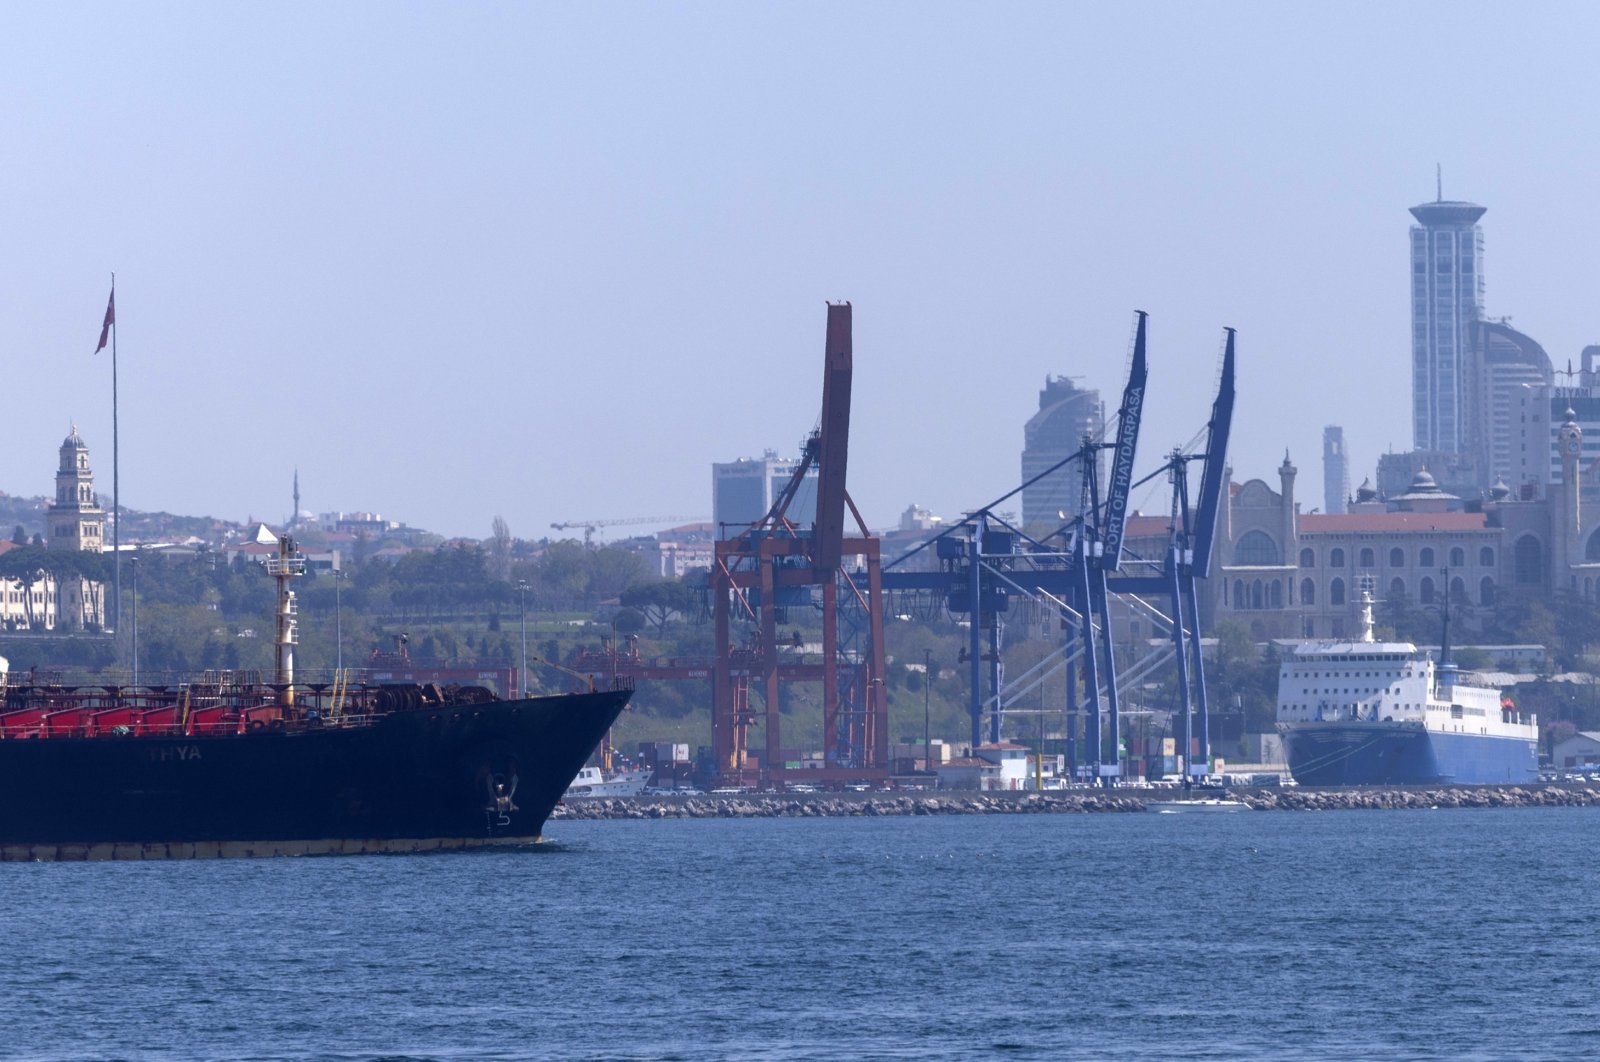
x,y
868,805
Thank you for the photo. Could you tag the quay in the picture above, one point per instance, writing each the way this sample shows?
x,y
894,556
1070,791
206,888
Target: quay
x,y
868,805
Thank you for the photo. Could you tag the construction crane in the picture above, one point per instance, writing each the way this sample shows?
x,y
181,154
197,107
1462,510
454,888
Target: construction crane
x,y
591,526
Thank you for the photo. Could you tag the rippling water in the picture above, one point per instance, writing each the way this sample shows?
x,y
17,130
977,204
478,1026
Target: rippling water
x,y
1418,935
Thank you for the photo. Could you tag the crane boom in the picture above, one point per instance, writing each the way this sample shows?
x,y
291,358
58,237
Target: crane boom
x,y
589,527
573,524
834,451
1116,517
1211,481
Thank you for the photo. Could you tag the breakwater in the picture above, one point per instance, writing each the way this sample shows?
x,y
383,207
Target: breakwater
x,y
767,806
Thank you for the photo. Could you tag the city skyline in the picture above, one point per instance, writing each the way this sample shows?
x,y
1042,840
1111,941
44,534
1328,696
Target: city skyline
x,y
480,261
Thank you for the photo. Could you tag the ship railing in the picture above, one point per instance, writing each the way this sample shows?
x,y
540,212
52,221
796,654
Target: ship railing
x,y
216,702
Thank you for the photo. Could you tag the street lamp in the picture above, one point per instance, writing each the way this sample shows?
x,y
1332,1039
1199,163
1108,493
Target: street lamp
x,y
522,610
927,740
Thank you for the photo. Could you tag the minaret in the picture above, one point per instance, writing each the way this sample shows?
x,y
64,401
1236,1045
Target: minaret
x,y
294,520
1291,530
1569,442
75,520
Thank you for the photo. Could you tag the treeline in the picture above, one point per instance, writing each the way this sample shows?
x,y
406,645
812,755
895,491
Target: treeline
x,y
201,611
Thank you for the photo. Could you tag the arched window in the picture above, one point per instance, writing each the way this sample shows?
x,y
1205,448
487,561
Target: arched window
x,y
1486,557
1308,592
1367,558
1458,589
1458,557
1397,558
1275,594
1486,591
1397,588
1336,558
1308,558
1238,594
1256,597
1336,592
1425,558
1425,590
1256,547
1528,556
1591,551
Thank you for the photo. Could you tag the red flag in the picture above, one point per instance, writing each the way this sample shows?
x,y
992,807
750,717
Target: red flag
x,y
111,319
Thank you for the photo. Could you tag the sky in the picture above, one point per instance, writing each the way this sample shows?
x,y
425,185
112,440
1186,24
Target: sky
x,y
550,261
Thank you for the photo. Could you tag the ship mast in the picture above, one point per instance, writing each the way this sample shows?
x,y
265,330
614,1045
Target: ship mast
x,y
288,565
1366,609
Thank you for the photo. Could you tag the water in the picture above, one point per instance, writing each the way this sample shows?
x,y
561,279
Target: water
x,y
1412,935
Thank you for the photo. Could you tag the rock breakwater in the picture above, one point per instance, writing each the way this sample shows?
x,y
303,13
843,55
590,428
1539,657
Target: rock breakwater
x,y
954,803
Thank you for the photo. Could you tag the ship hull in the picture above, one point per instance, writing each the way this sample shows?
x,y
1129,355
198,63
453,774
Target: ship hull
x,y
1357,753
443,777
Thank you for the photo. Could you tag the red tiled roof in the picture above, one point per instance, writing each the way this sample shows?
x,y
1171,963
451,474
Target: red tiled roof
x,y
1353,523
1147,526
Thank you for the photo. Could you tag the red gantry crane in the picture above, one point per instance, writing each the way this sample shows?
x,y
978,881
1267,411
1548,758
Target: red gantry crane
x,y
775,565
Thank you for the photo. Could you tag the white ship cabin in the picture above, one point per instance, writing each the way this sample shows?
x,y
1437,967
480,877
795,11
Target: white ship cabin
x,y
1388,682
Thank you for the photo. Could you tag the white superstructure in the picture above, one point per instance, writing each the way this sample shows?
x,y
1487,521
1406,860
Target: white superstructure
x,y
1391,682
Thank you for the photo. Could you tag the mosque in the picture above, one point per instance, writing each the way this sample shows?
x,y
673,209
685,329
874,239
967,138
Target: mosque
x,y
1287,574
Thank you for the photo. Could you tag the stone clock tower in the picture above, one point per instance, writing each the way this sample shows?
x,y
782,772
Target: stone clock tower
x,y
75,519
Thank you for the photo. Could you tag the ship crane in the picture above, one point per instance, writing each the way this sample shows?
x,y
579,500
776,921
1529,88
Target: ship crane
x,y
591,526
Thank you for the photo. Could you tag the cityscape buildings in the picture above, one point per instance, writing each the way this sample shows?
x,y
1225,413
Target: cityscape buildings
x,y
1492,500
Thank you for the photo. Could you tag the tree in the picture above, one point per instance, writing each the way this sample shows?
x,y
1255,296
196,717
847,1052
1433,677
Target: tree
x,y
658,602
28,566
500,550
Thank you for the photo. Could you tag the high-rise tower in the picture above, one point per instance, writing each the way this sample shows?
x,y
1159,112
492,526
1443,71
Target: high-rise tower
x,y
1335,470
1446,299
1067,413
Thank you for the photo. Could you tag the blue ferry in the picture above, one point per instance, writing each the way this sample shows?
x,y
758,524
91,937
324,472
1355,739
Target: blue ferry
x,y
1385,713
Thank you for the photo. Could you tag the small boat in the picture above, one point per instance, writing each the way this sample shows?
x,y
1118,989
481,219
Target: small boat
x,y
593,782
1207,804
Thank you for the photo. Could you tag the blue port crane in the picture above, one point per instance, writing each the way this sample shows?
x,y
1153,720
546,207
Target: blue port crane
x,y
983,561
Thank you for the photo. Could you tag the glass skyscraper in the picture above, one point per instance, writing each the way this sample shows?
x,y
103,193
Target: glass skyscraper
x,y
1446,300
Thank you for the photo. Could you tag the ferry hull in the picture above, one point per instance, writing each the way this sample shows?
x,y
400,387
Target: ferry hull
x,y
1357,753
414,780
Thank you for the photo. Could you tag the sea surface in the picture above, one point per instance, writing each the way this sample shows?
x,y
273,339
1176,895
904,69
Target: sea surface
x,y
1365,934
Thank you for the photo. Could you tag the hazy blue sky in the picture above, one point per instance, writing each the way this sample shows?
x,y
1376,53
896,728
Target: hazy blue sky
x,y
550,261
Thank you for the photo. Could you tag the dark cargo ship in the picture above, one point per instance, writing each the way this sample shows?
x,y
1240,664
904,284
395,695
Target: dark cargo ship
x,y
220,767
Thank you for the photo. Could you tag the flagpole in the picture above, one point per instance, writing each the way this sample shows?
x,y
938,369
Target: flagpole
x,y
116,480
